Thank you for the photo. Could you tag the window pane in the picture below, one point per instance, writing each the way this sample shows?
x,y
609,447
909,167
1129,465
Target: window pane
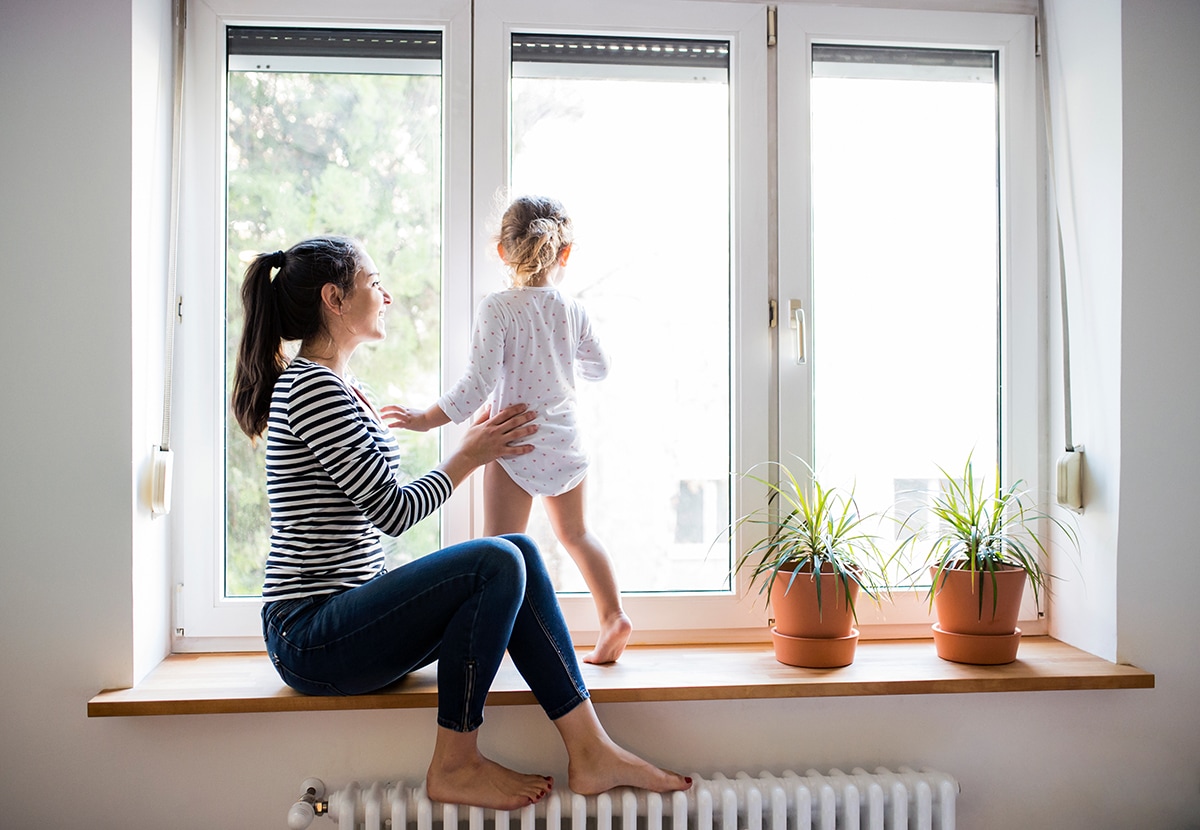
x,y
904,326
355,154
637,149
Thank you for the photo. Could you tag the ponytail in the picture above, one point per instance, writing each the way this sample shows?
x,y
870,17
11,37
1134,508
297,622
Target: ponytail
x,y
260,359
285,308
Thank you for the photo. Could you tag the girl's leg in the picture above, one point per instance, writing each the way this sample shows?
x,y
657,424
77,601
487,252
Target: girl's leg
x,y
567,514
505,505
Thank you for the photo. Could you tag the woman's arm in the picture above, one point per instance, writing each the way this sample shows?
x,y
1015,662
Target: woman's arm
x,y
324,415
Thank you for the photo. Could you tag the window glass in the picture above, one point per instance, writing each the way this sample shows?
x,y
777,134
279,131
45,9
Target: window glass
x,y
632,135
905,310
336,131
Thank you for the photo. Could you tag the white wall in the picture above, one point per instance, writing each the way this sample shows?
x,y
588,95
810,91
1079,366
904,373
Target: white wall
x,y
1083,51
1160,387
152,95
80,236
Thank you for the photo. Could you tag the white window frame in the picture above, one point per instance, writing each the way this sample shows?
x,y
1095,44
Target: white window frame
x,y
1022,343
475,94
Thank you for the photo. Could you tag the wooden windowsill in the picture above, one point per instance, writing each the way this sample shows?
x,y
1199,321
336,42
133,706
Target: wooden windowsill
x,y
222,683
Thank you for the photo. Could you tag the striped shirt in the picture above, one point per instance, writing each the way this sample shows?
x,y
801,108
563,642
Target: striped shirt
x,y
332,486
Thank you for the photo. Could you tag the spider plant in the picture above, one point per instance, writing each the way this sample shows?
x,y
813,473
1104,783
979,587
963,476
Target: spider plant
x,y
811,530
984,532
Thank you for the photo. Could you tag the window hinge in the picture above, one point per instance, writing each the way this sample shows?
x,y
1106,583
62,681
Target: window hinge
x,y
772,314
1037,37
179,308
771,10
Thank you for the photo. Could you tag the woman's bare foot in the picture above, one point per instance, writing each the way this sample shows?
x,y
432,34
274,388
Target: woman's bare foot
x,y
459,774
597,764
610,645
617,767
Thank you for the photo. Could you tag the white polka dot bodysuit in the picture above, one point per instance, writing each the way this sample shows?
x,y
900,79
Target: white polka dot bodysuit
x,y
527,347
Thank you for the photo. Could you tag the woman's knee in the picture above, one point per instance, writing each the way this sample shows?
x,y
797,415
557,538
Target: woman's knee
x,y
523,543
502,558
535,567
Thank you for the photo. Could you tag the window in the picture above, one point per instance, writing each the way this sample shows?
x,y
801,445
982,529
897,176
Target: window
x,y
404,131
648,123
335,130
908,239
295,127
624,102
905,237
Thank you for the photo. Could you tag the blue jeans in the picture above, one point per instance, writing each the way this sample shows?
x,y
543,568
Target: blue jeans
x,y
462,606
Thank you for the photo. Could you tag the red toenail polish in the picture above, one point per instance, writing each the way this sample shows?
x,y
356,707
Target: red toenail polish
x,y
688,779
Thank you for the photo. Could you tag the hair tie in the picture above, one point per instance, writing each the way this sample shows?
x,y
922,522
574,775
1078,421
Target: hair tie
x,y
276,260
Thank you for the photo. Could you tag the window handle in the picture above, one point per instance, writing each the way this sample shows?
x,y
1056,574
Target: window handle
x,y
796,323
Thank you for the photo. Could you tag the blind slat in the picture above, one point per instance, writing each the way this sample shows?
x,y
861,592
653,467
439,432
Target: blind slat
x,y
903,56
617,50
334,43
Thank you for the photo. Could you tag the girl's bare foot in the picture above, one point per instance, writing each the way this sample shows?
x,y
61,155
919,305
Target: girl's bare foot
x,y
610,645
459,774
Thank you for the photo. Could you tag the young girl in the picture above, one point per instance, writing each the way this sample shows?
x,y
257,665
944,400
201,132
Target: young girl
x,y
528,345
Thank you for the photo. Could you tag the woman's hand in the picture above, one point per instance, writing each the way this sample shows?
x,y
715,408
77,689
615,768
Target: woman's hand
x,y
491,437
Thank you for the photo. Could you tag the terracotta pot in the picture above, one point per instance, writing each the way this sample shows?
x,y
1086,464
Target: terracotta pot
x,y
804,636
795,605
957,600
967,632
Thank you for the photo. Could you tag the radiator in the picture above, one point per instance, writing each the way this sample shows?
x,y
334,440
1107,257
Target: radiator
x,y
858,800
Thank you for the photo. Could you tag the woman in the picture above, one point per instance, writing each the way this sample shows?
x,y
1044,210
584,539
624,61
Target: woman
x,y
335,621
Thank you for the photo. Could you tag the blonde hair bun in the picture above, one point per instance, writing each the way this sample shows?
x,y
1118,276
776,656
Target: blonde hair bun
x,y
533,232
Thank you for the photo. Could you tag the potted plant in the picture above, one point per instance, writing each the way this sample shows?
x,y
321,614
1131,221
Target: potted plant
x,y
813,560
985,548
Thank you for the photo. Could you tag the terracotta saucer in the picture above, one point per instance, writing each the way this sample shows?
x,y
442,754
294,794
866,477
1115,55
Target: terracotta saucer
x,y
976,649
815,652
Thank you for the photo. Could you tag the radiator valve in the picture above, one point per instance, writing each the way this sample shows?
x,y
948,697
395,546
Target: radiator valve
x,y
310,805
